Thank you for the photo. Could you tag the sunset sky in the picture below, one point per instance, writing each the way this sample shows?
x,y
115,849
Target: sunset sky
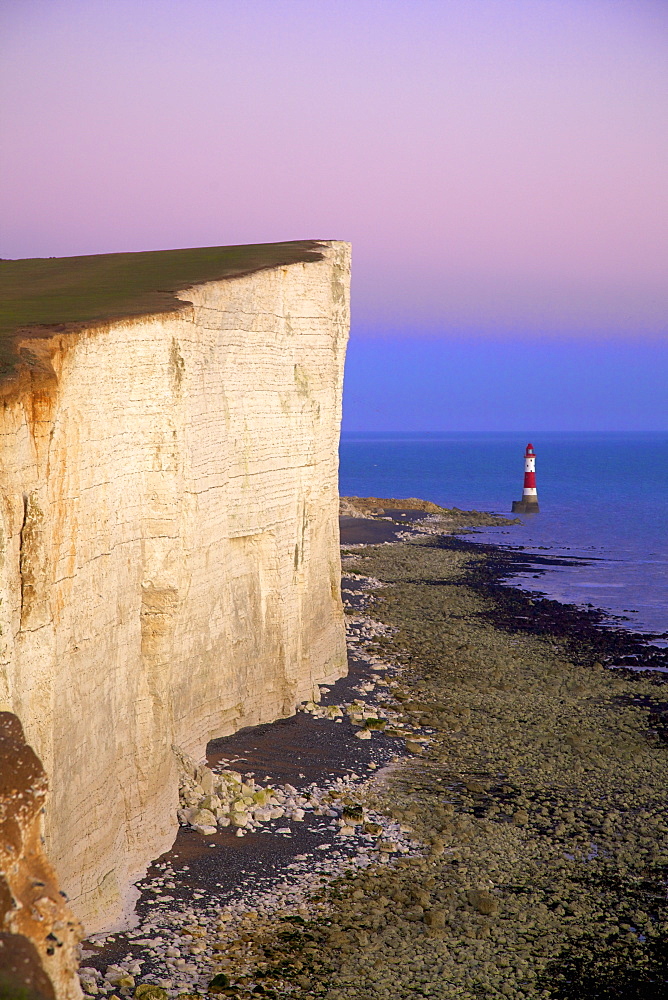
x,y
500,167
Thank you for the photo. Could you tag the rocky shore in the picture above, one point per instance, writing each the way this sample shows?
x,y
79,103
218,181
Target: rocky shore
x,y
477,811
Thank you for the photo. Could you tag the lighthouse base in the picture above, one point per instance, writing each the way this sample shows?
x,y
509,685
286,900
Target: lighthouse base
x,y
525,507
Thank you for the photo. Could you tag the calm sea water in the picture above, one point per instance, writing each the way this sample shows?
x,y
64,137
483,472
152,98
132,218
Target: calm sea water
x,y
603,498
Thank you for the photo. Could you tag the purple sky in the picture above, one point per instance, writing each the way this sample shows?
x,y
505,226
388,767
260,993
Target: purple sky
x,y
499,165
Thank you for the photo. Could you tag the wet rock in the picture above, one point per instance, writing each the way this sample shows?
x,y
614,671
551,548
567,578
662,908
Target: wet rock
x,y
375,723
218,984
149,992
387,847
482,901
375,829
435,918
437,847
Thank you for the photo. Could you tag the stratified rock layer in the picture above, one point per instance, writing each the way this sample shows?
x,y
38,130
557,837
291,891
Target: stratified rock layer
x,y
38,933
169,566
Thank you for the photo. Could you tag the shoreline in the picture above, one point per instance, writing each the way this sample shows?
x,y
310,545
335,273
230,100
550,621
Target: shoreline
x,y
605,580
479,785
595,625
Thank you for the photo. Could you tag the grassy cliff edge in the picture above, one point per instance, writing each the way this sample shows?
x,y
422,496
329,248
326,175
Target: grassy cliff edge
x,y
42,296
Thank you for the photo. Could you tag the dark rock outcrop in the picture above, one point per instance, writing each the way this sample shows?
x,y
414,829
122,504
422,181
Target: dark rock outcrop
x,y
38,934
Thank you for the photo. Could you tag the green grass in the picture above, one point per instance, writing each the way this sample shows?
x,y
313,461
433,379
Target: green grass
x,y
38,295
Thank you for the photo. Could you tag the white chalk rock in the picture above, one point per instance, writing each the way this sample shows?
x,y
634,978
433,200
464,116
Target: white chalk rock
x,y
210,802
207,780
202,817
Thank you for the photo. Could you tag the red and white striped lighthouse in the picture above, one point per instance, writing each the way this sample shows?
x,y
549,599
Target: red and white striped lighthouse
x,y
529,502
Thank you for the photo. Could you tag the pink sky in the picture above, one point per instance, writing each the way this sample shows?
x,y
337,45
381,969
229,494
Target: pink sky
x,y
500,166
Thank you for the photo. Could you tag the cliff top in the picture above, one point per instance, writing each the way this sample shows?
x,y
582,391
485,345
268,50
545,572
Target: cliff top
x,y
44,295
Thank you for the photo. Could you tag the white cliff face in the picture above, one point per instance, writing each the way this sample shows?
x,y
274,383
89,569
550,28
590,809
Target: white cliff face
x,y
169,563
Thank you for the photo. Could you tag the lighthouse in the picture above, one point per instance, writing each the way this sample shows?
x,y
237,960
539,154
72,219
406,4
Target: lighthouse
x,y
529,502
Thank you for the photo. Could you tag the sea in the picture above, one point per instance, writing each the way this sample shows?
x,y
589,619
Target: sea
x,y
603,507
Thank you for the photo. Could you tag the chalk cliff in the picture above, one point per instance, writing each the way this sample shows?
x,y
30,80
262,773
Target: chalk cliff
x,y
169,565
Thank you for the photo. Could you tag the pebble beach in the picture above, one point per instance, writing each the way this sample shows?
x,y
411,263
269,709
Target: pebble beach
x,y
477,810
